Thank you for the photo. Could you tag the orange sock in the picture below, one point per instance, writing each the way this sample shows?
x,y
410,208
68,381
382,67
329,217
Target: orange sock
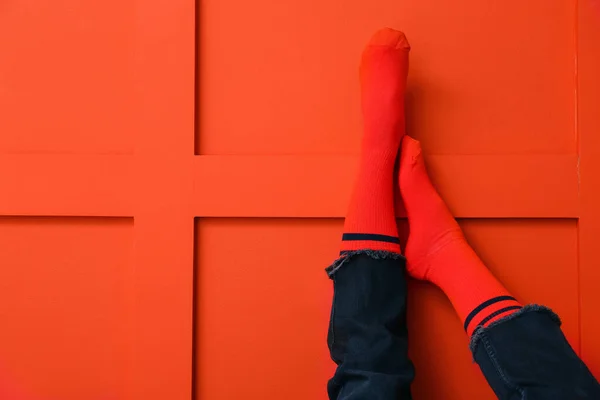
x,y
371,222
437,251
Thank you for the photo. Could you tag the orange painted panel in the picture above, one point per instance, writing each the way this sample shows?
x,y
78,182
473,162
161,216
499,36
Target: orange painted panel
x,y
485,77
68,184
319,185
263,299
96,119
65,302
492,96
262,304
66,76
588,91
101,104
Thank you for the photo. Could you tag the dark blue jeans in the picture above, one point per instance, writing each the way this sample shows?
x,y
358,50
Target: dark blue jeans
x,y
524,356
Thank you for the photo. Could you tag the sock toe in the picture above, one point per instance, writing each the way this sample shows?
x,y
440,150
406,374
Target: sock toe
x,y
410,152
391,38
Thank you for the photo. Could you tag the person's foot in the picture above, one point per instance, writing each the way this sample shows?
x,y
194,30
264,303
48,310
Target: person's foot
x,y
383,73
438,252
432,226
370,222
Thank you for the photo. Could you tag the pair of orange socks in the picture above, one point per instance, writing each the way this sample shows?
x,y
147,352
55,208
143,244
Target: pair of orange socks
x,y
436,250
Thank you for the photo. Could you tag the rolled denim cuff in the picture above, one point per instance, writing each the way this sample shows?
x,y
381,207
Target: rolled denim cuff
x,y
374,254
479,331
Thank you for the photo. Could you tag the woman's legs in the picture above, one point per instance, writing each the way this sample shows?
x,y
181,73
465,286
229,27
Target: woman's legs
x,y
521,350
367,332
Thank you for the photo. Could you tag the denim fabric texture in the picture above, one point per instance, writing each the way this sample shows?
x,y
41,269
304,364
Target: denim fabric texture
x,y
367,336
526,356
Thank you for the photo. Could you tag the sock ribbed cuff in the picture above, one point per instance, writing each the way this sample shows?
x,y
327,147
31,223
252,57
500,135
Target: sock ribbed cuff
x,y
490,311
369,241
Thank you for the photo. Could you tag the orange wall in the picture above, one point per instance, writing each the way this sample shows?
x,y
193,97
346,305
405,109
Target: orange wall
x,y
173,178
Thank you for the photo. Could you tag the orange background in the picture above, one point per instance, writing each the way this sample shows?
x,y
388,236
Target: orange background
x,y
173,178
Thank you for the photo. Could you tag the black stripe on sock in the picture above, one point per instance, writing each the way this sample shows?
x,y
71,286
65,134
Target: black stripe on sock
x,y
483,305
495,313
370,236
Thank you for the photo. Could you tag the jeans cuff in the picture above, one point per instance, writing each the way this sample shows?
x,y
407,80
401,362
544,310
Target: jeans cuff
x,y
479,331
374,254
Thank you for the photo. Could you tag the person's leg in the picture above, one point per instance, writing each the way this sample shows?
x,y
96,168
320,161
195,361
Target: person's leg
x,y
367,334
437,251
368,338
370,222
526,356
521,350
